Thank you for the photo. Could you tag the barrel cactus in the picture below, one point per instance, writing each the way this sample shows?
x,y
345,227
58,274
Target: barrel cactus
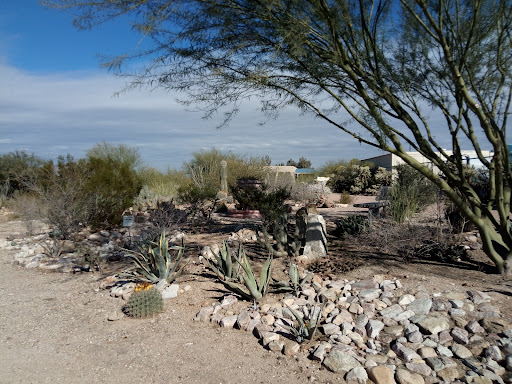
x,y
144,303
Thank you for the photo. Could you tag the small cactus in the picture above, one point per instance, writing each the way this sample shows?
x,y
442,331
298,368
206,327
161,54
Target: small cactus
x,y
144,303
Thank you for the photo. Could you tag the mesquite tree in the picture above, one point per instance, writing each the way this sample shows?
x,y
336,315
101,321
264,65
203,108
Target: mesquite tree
x,y
387,63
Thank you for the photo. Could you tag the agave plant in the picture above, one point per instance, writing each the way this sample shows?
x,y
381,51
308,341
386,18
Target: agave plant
x,y
224,266
156,263
247,285
303,329
294,283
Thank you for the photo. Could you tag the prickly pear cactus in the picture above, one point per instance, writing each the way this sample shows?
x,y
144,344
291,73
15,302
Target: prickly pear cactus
x,y
144,303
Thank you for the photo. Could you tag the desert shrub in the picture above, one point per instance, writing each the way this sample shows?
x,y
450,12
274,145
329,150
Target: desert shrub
x,y
160,186
356,177
113,182
346,198
14,168
204,168
410,193
353,225
29,208
63,194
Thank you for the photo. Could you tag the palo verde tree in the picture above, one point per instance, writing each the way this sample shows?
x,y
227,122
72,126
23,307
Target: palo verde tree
x,y
389,64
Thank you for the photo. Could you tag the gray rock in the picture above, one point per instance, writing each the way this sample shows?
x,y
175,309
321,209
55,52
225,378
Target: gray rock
x,y
444,351
474,327
392,311
369,294
420,306
373,328
171,291
460,335
461,351
434,325
357,375
228,321
420,368
405,353
339,361
493,353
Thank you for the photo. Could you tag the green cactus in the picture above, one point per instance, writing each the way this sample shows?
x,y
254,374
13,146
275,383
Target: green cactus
x,y
225,267
248,286
294,283
145,303
304,328
156,263
353,225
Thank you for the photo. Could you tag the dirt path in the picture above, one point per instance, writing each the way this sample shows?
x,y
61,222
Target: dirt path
x,y
54,329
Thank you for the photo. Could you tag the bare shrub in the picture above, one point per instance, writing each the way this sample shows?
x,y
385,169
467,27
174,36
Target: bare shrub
x,y
29,208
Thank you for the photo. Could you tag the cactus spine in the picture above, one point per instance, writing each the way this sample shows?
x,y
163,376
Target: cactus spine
x,y
144,303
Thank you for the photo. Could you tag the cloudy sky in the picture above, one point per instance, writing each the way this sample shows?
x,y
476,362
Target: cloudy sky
x,y
56,100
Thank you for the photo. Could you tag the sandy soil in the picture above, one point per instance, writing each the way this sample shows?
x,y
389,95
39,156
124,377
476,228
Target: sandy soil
x,y
54,328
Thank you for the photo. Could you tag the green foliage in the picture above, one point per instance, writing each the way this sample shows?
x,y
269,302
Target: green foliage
x,y
346,198
248,286
294,282
62,190
353,225
156,263
225,266
303,329
15,167
302,163
204,169
144,303
356,177
113,182
410,193
161,186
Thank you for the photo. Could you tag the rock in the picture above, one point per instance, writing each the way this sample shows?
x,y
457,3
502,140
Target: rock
x,y
406,299
357,375
474,327
339,361
460,335
420,306
320,350
316,238
461,351
493,353
420,368
290,347
330,329
392,311
373,328
275,346
449,374
381,375
434,325
170,292
369,294
117,315
228,321
403,376
479,296
204,314
405,353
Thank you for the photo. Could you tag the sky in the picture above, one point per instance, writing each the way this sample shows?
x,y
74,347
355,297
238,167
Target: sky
x,y
55,99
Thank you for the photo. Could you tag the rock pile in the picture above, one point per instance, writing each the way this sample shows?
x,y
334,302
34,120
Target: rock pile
x,y
375,330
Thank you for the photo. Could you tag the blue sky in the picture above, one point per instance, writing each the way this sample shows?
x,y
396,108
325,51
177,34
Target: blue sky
x,y
56,100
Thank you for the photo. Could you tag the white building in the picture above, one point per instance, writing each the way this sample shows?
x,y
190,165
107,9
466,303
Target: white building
x,y
390,161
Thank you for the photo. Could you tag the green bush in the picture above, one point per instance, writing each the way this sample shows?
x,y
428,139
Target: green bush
x,y
15,167
411,192
356,177
204,169
113,182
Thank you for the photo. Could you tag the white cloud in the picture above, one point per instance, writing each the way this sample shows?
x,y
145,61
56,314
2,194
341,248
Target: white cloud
x,y
57,114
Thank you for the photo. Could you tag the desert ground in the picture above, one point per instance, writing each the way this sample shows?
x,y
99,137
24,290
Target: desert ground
x,y
55,327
